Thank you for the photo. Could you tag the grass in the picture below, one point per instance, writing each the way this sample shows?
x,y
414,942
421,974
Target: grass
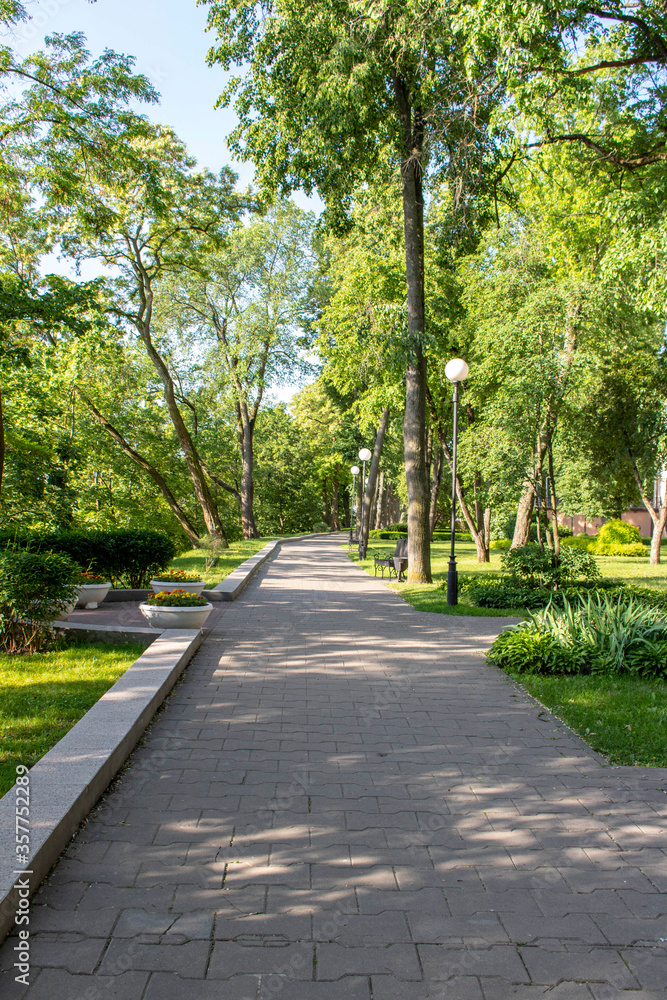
x,y
622,717
44,695
195,560
430,596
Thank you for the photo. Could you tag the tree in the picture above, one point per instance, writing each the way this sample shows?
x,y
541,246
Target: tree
x,y
251,297
332,94
150,225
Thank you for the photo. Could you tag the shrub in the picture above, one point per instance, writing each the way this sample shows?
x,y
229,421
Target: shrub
x,y
599,632
126,557
36,588
401,526
635,549
532,566
583,542
618,533
320,526
493,591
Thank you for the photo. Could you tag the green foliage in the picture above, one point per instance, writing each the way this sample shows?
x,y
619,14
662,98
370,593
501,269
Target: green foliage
x,y
600,632
583,542
320,526
617,538
532,566
130,557
35,590
495,591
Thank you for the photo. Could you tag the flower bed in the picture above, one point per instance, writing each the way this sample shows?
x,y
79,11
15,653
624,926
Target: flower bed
x,y
176,599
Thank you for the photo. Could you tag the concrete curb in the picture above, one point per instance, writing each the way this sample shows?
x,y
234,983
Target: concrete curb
x,y
69,779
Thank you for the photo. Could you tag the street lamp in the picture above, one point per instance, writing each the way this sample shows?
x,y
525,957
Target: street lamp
x,y
365,456
355,472
456,371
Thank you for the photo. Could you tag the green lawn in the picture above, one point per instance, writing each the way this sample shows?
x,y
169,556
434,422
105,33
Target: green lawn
x,y
622,717
430,596
42,696
194,561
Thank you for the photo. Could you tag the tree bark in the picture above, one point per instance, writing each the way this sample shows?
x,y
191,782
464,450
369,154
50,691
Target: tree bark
x,y
379,509
436,482
245,427
143,322
335,517
144,464
373,475
554,503
346,508
414,424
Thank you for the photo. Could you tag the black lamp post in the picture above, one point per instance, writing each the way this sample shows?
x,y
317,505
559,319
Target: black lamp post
x,y
456,371
355,472
365,455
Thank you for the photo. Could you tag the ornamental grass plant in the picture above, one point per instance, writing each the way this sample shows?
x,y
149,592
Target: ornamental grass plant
x,y
598,632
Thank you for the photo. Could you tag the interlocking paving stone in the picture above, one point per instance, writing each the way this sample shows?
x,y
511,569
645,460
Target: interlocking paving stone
x,y
341,800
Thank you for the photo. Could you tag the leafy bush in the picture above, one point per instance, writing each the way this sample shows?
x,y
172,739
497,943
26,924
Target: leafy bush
x,y
127,557
584,542
633,549
320,526
564,532
36,588
618,533
401,526
599,632
532,566
493,591
500,544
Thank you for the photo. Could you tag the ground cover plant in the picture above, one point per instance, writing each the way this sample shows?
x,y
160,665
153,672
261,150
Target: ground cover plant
x,y
43,695
621,716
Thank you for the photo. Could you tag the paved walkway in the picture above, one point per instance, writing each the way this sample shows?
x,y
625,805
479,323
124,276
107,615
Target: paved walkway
x,y
342,801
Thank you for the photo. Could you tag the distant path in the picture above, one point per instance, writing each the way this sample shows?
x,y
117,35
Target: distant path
x,y
342,801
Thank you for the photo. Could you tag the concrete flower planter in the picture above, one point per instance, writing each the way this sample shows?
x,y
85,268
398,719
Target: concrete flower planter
x,y
176,618
92,594
169,586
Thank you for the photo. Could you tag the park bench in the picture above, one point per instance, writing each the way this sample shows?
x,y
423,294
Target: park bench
x,y
396,563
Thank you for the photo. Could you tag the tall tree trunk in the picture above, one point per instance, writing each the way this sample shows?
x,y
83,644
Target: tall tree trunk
x,y
203,493
144,464
524,517
414,423
245,431
335,516
379,510
554,502
436,482
373,476
326,506
346,507
360,500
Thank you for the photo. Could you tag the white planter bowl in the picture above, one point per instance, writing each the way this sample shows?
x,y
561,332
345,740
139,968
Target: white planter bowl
x,y
168,587
92,594
175,617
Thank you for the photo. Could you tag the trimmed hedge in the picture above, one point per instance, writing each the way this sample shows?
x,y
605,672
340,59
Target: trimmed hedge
x,y
127,557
